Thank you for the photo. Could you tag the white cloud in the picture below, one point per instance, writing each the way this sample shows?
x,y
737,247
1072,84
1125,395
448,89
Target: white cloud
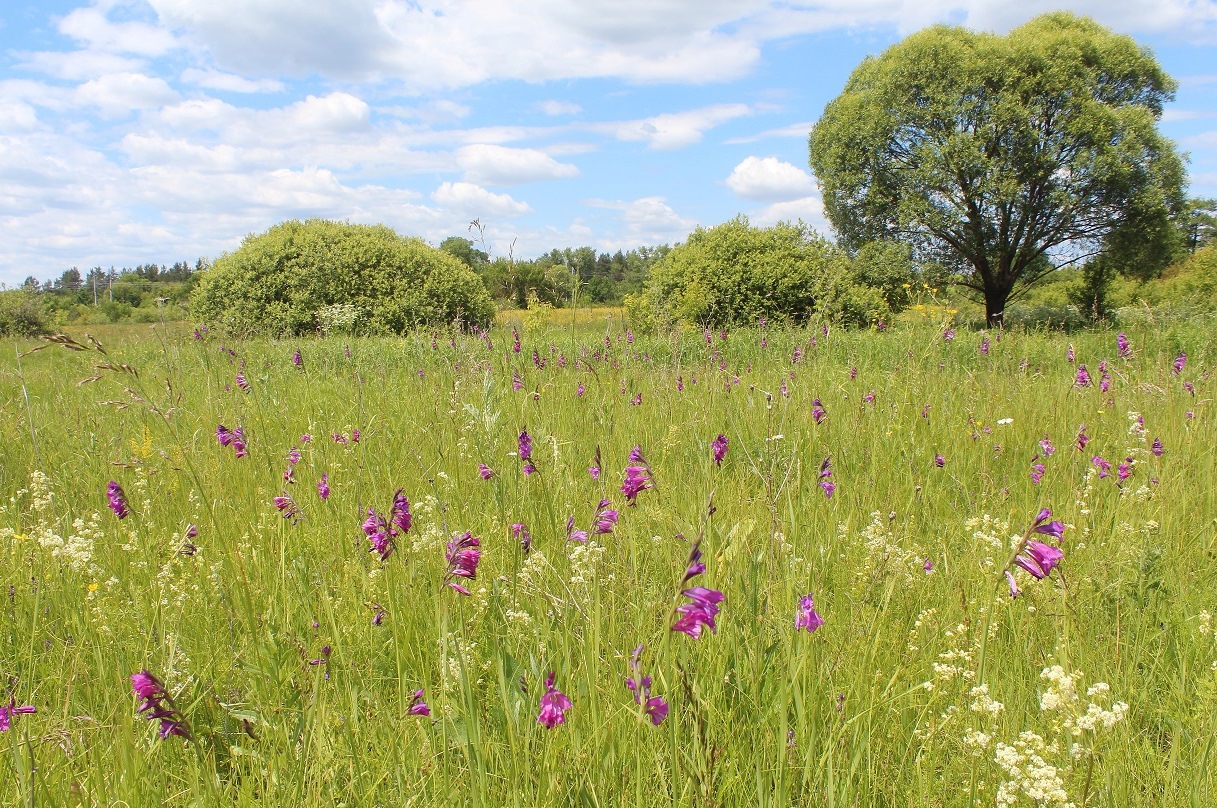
x,y
470,200
77,65
679,129
648,220
16,116
90,25
118,94
559,108
799,130
808,209
229,82
500,165
770,179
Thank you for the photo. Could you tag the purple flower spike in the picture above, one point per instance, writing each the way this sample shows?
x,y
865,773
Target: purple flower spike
x,y
323,487
696,565
484,471
1157,448
525,444
700,612
242,382
463,556
1083,377
10,711
655,708
520,533
156,702
417,705
1179,363
594,468
554,705
808,618
605,519
379,534
117,500
297,359
1014,590
400,515
719,447
636,481
1122,345
1039,559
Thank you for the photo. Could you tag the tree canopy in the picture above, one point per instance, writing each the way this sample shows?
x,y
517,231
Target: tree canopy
x,y
1000,158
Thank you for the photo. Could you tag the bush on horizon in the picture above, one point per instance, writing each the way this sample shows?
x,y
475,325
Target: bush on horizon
x,y
277,283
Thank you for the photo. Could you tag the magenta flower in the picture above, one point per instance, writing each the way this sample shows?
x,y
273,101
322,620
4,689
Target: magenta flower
x,y
1122,345
718,447
234,438
1070,356
1082,438
594,468
10,711
380,534
655,707
1083,377
604,519
1014,590
520,533
1046,447
818,413
288,508
1102,465
1039,559
948,335
1179,363
1157,448
1037,472
157,703
399,515
463,556
807,617
323,487
297,359
554,705
517,384
826,482
484,471
117,500
636,481
1043,527
1124,470
939,460
417,705
242,382
984,346
525,444
700,612
572,534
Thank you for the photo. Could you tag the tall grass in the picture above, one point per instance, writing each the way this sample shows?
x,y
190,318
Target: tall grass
x,y
918,685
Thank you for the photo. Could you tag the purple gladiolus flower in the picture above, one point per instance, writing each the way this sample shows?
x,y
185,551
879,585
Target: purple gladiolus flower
x,y
417,705
1122,345
1039,559
939,460
380,534
288,508
525,444
156,702
1046,447
572,534
605,518
1083,377
1102,465
984,346
242,382
1156,448
520,533
719,448
10,711
484,471
117,500
1037,472
463,556
297,359
853,373
948,335
1179,363
594,468
554,705
818,414
700,612
696,565
826,482
636,481
323,487
1070,356
1082,438
655,707
807,617
1043,527
1014,590
1124,470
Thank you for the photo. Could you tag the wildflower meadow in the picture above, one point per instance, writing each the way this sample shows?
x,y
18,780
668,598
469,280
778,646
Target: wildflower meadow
x,y
563,564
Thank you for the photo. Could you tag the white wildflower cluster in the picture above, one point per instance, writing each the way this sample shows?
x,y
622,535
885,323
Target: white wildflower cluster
x,y
914,638
785,549
1080,715
982,702
1084,494
988,532
955,663
1028,773
431,536
976,742
1136,424
584,561
884,554
457,660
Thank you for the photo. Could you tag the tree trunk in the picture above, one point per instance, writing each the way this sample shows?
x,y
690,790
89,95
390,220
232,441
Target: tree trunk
x,y
995,306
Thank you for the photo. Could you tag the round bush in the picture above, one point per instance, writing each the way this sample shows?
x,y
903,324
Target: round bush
x,y
735,274
281,282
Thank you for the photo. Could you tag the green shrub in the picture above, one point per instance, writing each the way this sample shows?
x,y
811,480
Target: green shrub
x,y
287,281
735,274
22,314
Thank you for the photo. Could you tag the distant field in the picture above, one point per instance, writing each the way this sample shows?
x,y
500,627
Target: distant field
x,y
894,477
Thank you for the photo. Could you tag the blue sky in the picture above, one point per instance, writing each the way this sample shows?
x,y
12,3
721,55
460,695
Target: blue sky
x,y
136,131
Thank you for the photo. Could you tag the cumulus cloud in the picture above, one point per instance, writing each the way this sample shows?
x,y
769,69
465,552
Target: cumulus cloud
x,y
118,94
77,65
679,129
501,165
559,108
648,220
472,200
799,130
91,26
770,179
809,210
229,82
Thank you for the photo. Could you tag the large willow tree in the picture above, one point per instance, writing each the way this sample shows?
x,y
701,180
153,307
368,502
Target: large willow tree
x,y
1001,157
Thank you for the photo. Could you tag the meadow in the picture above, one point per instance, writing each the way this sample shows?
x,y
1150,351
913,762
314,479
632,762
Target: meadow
x,y
235,572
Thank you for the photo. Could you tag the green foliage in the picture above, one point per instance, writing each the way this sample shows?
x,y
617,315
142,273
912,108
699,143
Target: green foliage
x,y
986,153
1190,285
22,314
736,274
888,267
276,283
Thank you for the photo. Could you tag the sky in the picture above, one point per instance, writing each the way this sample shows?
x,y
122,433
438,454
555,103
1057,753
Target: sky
x,y
153,131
